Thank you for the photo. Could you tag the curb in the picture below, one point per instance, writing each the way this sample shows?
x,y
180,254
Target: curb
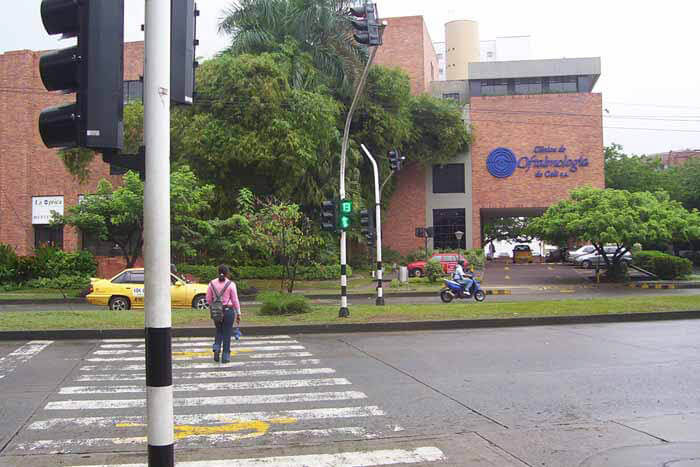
x,y
73,334
48,301
665,285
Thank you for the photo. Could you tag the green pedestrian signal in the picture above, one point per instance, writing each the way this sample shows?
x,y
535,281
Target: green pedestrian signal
x,y
345,213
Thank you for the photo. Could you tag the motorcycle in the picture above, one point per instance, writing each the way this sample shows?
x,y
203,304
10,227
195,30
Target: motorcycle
x,y
454,290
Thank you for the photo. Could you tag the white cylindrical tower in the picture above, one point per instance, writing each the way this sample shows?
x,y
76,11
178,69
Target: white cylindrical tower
x,y
461,48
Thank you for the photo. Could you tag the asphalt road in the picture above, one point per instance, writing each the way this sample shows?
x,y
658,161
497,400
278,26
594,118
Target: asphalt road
x,y
591,395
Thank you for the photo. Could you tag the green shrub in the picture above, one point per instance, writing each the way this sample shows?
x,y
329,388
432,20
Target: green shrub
x,y
417,255
433,270
475,257
277,303
52,262
60,282
310,273
665,266
390,256
8,264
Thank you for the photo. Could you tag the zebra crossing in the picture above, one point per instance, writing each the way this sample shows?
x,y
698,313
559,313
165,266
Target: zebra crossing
x,y
273,391
21,355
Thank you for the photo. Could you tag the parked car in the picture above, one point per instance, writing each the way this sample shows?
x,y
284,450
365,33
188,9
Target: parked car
x,y
447,260
522,254
584,250
590,261
556,256
126,290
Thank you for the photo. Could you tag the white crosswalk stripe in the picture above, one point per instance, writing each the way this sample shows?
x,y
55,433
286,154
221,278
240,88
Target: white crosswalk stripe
x,y
343,459
271,389
23,354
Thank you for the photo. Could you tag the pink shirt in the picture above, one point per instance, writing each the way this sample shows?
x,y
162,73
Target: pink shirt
x,y
230,296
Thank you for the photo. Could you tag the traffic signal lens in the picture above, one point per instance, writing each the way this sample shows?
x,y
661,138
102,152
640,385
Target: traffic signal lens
x,y
346,206
58,126
344,222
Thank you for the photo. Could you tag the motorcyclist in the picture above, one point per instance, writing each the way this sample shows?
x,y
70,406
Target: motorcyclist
x,y
461,278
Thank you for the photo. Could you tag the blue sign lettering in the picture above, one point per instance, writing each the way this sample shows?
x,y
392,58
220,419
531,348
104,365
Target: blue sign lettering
x,y
502,162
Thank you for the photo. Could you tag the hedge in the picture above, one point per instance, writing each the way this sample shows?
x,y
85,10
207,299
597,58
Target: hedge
x,y
277,303
47,263
317,272
665,266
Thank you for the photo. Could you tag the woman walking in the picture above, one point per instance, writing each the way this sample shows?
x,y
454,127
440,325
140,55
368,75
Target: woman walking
x,y
222,292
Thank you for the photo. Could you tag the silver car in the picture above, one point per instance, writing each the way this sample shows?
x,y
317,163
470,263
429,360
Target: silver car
x,y
584,250
594,259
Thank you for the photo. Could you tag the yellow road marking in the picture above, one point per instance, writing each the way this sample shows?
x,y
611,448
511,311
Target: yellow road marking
x,y
186,355
256,428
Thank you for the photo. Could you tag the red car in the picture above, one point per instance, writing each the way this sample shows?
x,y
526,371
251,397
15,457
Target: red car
x,y
447,260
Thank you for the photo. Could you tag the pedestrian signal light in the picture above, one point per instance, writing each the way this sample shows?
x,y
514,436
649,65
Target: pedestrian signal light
x,y
344,220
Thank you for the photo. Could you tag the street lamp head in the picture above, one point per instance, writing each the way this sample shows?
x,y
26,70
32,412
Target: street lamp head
x,y
459,234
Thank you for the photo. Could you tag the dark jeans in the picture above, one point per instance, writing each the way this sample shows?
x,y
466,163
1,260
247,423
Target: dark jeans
x,y
224,330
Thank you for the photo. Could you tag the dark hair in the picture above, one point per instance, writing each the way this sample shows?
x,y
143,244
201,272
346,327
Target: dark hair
x,y
223,272
460,262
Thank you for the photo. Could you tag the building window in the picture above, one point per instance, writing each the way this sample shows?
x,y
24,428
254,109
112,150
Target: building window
x,y
528,86
47,235
494,87
133,91
93,244
448,178
563,84
451,95
445,223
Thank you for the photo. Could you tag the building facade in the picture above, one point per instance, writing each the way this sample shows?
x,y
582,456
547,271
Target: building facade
x,y
537,134
33,179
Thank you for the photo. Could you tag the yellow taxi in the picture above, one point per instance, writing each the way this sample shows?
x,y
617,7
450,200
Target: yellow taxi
x,y
522,254
125,291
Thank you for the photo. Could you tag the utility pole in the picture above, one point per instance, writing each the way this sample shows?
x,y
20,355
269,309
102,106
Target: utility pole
x,y
159,372
378,225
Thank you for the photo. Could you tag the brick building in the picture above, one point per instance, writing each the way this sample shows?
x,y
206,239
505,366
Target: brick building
x,y
33,179
678,158
537,133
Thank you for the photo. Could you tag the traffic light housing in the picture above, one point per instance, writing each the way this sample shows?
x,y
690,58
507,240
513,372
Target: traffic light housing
x,y
328,216
364,222
183,41
395,160
367,30
93,69
345,214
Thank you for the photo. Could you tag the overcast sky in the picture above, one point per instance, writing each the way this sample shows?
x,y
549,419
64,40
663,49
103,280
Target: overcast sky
x,y
650,66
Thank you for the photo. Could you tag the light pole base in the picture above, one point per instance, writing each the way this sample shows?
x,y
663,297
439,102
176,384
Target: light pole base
x,y
380,301
344,313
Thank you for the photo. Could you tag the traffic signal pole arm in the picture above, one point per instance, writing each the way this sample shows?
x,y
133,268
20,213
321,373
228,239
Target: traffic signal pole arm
x,y
378,224
344,311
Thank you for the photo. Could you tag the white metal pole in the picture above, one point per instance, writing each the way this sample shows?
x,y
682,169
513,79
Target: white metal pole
x,y
159,381
378,225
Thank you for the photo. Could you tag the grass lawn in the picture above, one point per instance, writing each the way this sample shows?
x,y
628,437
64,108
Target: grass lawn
x,y
324,314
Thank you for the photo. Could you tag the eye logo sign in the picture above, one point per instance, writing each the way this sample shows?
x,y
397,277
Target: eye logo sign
x,y
501,163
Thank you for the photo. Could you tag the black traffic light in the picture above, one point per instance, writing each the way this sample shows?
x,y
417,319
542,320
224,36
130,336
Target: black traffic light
x,y
328,216
364,222
93,69
366,27
395,160
183,40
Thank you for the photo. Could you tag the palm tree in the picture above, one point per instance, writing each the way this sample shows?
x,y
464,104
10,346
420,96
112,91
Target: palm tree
x,y
319,27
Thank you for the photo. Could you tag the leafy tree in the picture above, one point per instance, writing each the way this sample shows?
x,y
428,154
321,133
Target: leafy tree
x,y
439,132
687,183
513,229
617,217
78,160
284,231
250,128
116,214
320,28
